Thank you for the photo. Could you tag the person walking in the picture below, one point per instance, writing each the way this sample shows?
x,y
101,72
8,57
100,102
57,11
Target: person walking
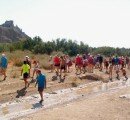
x,y
25,72
41,81
3,65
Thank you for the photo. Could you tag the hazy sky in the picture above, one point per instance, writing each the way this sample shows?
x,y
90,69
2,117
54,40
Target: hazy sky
x,y
95,22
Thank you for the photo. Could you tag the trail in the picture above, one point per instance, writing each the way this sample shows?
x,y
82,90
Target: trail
x,y
27,105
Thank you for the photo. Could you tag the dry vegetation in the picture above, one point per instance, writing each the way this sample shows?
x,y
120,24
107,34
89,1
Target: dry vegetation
x,y
17,57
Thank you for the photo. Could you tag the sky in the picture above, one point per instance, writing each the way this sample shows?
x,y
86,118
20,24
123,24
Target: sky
x,y
95,22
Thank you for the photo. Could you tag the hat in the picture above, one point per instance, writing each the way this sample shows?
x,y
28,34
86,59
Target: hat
x,y
3,54
27,57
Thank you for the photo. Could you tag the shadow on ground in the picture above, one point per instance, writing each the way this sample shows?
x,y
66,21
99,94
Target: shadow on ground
x,y
21,92
37,105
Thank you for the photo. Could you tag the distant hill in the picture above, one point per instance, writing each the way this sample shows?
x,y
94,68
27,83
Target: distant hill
x,y
10,33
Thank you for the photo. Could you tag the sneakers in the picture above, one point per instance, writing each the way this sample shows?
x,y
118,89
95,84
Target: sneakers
x,y
126,78
5,78
118,78
111,80
41,101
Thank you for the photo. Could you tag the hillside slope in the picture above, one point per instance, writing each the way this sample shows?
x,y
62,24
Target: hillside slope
x,y
10,33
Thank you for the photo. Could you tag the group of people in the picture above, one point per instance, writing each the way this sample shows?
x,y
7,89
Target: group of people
x,y
40,78
110,64
87,63
61,64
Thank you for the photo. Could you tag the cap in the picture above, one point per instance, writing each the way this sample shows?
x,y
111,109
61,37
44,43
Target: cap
x,y
27,57
3,54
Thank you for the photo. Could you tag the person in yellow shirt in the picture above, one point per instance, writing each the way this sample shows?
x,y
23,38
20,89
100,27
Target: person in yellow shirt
x,y
25,72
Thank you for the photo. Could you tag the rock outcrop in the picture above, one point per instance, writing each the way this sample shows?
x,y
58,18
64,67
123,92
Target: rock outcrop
x,y
10,33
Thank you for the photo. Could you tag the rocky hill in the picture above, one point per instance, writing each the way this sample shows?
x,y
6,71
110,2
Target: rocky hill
x,y
10,33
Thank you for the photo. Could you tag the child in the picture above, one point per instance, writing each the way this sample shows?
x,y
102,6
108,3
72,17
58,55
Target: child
x,y
41,81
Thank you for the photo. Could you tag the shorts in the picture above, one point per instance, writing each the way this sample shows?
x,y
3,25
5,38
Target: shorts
x,y
79,64
124,74
57,65
117,71
106,65
63,68
3,70
35,69
40,89
25,75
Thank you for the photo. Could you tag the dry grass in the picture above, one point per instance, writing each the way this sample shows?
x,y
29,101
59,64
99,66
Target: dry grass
x,y
15,74
17,58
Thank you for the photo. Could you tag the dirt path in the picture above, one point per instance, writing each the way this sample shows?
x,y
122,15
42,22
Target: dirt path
x,y
30,105
12,88
105,106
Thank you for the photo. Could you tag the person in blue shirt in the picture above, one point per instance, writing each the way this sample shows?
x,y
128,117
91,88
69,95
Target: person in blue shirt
x,y
3,65
41,81
116,61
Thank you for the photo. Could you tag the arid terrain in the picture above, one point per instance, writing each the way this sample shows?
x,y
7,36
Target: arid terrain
x,y
97,99
106,106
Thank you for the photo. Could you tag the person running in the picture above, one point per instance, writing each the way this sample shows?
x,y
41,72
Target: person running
x,y
36,67
3,65
41,81
25,72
